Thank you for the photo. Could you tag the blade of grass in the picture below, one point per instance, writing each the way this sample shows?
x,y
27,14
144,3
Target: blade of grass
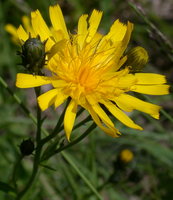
x,y
159,36
68,158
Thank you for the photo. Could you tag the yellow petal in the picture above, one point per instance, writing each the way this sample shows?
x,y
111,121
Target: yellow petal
x,y
47,99
29,80
94,22
122,45
117,31
58,83
113,132
103,116
149,78
22,35
11,29
126,81
40,28
151,89
122,104
56,48
121,61
27,24
58,35
129,103
69,118
57,20
127,36
61,97
121,116
39,25
82,30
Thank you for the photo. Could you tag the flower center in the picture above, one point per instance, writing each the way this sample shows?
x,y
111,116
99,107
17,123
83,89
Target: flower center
x,y
78,70
86,71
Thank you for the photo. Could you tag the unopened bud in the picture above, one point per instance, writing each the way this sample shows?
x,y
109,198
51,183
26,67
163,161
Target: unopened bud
x,y
27,147
137,58
33,55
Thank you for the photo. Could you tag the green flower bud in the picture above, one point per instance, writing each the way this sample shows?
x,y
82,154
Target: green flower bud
x,y
137,58
33,55
27,147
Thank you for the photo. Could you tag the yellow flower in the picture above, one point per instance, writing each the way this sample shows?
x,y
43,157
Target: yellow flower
x,y
126,155
86,67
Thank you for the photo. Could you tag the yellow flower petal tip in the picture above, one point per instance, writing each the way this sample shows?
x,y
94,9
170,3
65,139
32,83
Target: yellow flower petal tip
x,y
139,128
69,118
90,68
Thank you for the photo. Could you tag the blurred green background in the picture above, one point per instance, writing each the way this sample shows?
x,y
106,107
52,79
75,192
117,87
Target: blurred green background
x,y
149,175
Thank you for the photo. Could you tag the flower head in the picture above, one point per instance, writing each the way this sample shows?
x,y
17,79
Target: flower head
x,y
86,67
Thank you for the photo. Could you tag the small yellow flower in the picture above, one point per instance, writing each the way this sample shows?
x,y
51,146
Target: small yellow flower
x,y
86,67
126,155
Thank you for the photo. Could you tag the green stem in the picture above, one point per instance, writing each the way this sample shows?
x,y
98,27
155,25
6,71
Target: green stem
x,y
80,111
15,170
84,178
79,124
87,132
77,140
37,152
82,122
57,127
34,173
38,135
166,115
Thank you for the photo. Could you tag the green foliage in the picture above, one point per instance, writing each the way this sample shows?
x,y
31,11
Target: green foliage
x,y
5,187
88,170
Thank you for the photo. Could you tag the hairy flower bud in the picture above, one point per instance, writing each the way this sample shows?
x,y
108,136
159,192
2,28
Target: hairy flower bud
x,y
137,58
27,147
33,55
